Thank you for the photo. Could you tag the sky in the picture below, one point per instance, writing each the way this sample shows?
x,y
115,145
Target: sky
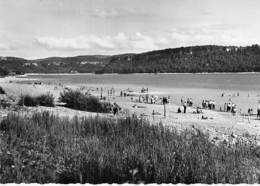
x,y
43,28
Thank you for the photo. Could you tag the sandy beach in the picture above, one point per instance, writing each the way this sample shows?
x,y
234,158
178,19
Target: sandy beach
x,y
219,125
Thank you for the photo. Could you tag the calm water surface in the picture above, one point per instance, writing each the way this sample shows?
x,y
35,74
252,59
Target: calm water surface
x,y
196,86
247,82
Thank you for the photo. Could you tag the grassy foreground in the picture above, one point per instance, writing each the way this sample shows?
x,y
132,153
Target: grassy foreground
x,y
45,148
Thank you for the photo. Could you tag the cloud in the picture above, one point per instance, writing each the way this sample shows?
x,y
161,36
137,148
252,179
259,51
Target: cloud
x,y
221,34
122,13
11,45
216,34
4,47
118,43
106,13
77,43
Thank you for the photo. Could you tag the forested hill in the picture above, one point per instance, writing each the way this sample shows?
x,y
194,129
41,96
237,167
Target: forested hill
x,y
189,59
81,64
194,59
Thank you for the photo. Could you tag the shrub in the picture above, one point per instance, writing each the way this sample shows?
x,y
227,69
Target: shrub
x,y
27,100
2,91
45,100
42,100
77,100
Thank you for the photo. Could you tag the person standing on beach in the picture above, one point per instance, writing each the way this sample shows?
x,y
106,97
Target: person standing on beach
x,y
147,98
184,107
258,114
115,110
225,107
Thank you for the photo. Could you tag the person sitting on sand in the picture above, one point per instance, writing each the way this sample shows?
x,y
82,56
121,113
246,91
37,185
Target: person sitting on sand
x,y
198,110
179,110
204,117
233,110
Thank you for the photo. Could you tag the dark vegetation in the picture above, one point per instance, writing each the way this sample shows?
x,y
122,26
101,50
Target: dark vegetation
x,y
75,99
2,91
44,148
32,101
193,59
189,60
81,64
3,72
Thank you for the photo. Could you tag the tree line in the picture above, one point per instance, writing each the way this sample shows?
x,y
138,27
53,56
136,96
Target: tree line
x,y
195,59
189,60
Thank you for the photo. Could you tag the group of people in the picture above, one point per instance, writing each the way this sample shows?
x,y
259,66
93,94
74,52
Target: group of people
x,y
115,108
111,92
233,95
208,104
230,107
143,98
127,92
124,93
184,104
153,99
144,90
189,102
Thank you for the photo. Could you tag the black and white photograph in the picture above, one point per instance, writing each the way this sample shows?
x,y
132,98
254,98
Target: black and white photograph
x,y
129,91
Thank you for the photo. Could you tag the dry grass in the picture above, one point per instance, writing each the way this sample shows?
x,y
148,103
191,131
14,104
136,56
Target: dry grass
x,y
45,148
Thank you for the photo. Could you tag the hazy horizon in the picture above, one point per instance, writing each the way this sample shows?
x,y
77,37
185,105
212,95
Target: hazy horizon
x,y
45,28
35,58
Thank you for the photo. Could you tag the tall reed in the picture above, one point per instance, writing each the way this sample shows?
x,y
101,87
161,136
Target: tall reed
x,y
47,149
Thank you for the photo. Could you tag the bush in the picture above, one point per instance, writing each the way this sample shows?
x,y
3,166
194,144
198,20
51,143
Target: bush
x,y
44,148
45,100
77,100
27,100
42,100
2,91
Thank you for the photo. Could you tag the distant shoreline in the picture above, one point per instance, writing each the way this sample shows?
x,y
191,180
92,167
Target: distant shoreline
x,y
207,73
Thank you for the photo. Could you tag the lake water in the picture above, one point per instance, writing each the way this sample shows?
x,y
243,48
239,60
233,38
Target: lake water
x,y
196,86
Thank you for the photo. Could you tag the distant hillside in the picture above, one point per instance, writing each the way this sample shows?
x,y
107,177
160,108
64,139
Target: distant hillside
x,y
11,64
189,59
193,59
81,64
